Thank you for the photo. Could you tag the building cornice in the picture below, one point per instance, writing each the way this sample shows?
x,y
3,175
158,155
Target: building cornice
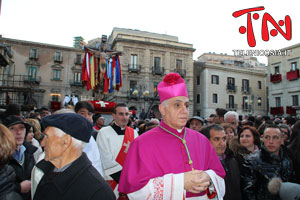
x,y
236,69
152,43
41,45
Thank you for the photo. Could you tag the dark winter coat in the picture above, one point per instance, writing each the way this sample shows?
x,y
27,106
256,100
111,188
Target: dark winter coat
x,y
232,178
8,184
79,181
24,172
239,151
259,168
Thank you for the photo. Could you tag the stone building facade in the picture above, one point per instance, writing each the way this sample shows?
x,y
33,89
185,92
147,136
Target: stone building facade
x,y
146,58
230,82
44,74
284,82
41,74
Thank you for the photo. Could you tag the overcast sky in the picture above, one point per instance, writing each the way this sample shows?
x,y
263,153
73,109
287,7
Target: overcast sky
x,y
208,25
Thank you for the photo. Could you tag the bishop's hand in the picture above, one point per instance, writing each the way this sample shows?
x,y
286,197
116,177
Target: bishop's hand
x,y
196,181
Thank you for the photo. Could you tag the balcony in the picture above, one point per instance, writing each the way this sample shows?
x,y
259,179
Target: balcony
x,y
246,90
246,108
276,110
76,83
292,75
231,88
31,79
134,68
158,70
275,78
290,110
231,107
181,72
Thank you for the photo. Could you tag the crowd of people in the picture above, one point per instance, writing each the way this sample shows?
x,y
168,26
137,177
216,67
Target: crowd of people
x,y
71,154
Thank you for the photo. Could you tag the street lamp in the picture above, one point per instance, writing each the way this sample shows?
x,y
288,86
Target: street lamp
x,y
249,103
259,100
135,92
146,93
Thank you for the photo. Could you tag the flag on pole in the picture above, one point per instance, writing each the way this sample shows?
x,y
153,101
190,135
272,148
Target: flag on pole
x,y
92,72
118,74
85,73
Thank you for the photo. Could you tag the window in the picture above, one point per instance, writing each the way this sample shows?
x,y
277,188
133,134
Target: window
x,y
55,98
56,74
276,70
259,85
32,72
178,65
133,88
198,98
295,99
77,77
133,61
277,101
231,101
198,113
259,101
245,85
230,81
215,98
198,80
293,66
58,56
157,64
78,59
33,53
215,79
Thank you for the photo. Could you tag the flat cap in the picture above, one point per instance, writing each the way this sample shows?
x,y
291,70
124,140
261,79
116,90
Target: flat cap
x,y
70,123
198,118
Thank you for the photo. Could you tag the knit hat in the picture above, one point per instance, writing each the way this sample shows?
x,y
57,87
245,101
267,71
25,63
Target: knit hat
x,y
171,86
286,190
70,123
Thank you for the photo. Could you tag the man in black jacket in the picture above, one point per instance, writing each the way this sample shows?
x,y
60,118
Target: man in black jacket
x,y
217,137
272,160
67,172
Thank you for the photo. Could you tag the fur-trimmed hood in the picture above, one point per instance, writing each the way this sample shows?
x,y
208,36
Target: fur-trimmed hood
x,y
237,148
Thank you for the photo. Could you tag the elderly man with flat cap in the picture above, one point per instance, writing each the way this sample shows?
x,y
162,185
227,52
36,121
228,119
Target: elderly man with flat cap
x,y
67,172
196,123
171,161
